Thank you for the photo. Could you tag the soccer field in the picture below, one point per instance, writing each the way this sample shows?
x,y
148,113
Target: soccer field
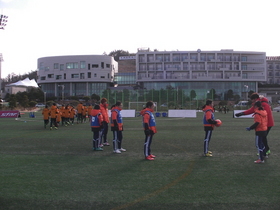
x,y
57,169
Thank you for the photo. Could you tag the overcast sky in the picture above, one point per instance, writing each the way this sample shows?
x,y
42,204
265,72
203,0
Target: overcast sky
x,y
40,28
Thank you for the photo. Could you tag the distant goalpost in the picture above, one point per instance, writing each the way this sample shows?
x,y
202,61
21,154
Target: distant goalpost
x,y
138,106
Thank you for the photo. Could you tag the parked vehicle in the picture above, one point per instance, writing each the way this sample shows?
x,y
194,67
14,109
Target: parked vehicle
x,y
241,103
40,105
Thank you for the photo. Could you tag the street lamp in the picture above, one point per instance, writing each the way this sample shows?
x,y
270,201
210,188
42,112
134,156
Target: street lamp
x,y
246,86
45,101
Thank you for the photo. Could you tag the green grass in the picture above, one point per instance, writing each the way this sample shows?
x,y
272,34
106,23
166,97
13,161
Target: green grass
x,y
43,169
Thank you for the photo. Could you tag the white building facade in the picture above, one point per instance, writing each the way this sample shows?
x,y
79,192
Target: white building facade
x,y
238,71
77,75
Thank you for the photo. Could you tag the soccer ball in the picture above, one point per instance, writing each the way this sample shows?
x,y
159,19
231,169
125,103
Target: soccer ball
x,y
219,123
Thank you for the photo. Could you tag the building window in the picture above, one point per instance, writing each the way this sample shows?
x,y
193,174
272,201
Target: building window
x,y
107,65
43,78
103,77
82,75
41,66
74,75
95,75
102,65
58,77
94,65
72,65
64,76
244,58
89,74
50,76
82,64
55,66
61,67
243,67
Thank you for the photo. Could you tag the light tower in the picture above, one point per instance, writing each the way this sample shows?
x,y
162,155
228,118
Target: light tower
x,y
3,21
1,59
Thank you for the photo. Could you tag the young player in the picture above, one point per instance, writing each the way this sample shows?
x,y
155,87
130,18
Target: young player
x,y
84,114
72,114
104,110
209,124
96,125
117,127
260,126
53,113
149,125
80,109
46,115
270,121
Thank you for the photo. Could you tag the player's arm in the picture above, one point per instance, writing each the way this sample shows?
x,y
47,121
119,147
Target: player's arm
x,y
209,118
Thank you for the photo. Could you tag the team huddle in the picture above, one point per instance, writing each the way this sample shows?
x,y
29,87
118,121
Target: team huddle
x,y
99,121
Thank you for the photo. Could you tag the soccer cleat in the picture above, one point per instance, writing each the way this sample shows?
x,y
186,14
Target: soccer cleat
x,y
152,156
50,128
55,128
209,152
98,149
101,145
106,144
259,161
149,158
268,152
122,150
208,155
117,151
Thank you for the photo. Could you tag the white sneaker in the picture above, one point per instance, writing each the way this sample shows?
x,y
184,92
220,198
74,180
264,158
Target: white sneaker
x,y
122,150
117,151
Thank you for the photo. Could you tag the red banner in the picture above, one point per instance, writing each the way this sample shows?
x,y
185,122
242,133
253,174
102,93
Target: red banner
x,y
9,114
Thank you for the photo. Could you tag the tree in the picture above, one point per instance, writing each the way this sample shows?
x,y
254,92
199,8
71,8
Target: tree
x,y
12,101
95,98
192,94
229,94
25,102
117,53
211,94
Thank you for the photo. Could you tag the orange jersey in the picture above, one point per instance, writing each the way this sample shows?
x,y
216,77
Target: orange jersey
x,y
104,111
72,113
84,112
58,116
260,116
80,108
46,113
53,111
147,119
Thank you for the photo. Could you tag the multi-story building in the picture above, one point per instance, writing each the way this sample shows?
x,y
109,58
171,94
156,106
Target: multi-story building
x,y
79,75
214,72
238,71
273,69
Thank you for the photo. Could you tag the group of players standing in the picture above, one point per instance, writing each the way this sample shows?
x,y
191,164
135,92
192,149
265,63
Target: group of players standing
x,y
64,115
99,121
